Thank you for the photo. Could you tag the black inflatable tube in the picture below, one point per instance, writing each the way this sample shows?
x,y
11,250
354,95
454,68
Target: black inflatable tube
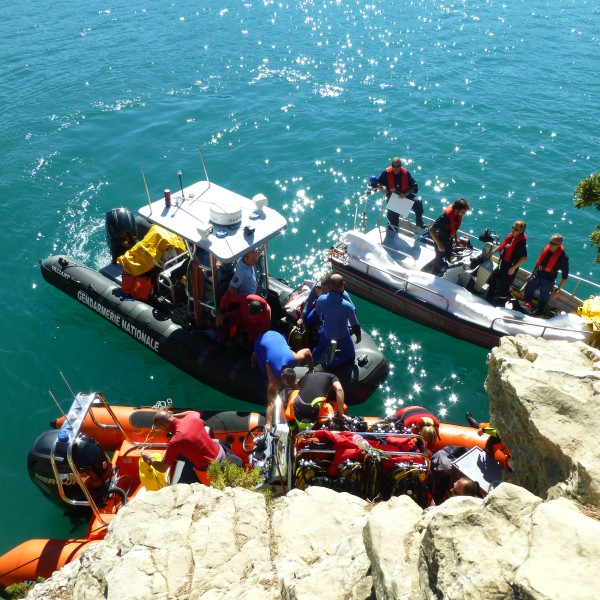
x,y
192,350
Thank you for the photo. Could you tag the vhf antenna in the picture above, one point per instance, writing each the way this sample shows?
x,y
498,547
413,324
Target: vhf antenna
x,y
204,166
147,192
181,185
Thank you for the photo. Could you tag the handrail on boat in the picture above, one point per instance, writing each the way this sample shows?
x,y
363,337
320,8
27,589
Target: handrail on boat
x,y
520,323
83,405
117,424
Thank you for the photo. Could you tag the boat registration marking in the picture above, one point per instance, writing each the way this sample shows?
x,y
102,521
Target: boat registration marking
x,y
119,321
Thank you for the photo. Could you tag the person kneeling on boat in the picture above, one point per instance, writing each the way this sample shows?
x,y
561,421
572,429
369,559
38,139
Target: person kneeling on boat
x,y
444,230
191,442
337,314
420,421
272,355
313,398
252,312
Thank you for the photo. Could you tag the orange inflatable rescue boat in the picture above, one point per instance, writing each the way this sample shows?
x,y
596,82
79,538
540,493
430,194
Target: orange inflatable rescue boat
x,y
72,469
70,466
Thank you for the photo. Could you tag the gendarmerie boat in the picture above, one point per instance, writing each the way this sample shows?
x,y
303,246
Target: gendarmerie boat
x,y
394,269
215,228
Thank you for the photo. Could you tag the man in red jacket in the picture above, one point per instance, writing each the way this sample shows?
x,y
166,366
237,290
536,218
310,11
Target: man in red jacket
x,y
190,440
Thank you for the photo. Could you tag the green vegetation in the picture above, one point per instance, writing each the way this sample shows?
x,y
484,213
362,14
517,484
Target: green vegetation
x,y
231,475
587,193
20,590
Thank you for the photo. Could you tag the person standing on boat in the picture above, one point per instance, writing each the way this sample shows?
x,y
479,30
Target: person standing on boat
x,y
189,441
552,259
513,253
337,313
396,179
444,230
308,316
272,355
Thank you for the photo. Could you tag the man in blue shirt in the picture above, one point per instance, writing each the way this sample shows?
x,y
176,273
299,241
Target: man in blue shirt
x,y
309,315
272,355
244,279
337,314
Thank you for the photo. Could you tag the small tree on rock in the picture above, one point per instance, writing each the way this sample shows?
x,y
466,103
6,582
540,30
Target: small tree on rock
x,y
587,193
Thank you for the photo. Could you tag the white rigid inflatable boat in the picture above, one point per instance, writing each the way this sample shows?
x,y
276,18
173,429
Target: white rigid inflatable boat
x,y
394,270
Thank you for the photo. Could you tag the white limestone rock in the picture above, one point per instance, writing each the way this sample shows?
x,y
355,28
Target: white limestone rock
x,y
544,399
392,539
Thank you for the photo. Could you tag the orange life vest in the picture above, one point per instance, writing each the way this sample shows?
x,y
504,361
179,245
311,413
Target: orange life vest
x,y
553,259
455,220
509,244
392,180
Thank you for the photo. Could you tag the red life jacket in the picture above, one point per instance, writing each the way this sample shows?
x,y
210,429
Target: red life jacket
x,y
455,221
413,417
392,180
509,244
553,259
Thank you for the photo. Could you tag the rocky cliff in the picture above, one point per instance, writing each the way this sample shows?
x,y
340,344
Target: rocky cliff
x,y
539,539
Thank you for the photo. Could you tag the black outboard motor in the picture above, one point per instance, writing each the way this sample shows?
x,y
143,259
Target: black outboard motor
x,y
120,231
90,459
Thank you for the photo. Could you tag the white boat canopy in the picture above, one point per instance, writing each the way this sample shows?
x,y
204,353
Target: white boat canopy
x,y
217,220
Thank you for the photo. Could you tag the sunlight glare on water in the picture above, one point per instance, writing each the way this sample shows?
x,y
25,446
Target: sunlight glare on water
x,y
301,101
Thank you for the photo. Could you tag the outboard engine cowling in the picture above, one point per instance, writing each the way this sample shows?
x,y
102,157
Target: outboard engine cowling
x,y
120,231
90,459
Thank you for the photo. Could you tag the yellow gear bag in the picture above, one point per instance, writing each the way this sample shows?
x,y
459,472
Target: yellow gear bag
x,y
146,254
150,478
590,311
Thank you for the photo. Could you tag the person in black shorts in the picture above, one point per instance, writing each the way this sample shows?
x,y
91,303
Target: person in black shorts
x,y
312,391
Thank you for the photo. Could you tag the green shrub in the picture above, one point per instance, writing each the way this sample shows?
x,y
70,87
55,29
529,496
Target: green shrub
x,y
231,475
587,193
20,590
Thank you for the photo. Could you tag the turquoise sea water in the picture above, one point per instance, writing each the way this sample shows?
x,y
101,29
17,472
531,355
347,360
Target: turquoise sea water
x,y
302,101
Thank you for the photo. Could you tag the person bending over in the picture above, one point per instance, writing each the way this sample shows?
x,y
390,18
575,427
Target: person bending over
x,y
272,355
189,441
444,230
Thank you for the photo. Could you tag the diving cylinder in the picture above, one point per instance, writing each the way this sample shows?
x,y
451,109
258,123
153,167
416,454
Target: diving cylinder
x,y
485,269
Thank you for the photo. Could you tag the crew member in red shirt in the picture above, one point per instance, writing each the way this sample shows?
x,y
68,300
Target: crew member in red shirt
x,y
189,441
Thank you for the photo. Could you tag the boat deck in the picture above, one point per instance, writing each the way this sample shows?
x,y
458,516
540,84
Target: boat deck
x,y
409,251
